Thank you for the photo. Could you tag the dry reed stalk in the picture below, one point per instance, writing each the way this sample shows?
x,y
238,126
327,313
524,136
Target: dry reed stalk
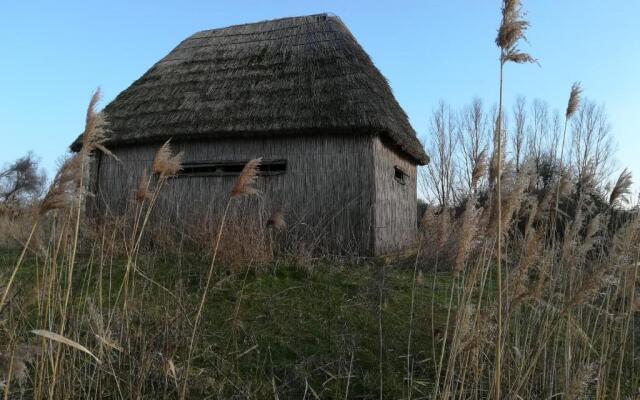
x,y
414,281
632,279
580,381
17,266
512,30
440,362
93,137
12,367
242,187
518,291
165,164
59,195
572,106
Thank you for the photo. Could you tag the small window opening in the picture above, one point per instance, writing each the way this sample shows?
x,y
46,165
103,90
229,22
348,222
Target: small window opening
x,y
230,168
400,175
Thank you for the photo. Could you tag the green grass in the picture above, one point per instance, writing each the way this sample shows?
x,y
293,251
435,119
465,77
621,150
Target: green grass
x,y
297,329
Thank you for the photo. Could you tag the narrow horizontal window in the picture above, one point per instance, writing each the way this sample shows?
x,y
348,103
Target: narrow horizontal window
x,y
229,168
400,175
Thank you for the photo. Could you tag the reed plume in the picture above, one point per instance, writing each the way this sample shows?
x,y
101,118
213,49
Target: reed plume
x,y
467,233
470,217
427,220
514,198
572,106
622,188
12,368
244,184
512,30
96,128
497,157
574,99
593,227
142,191
517,288
165,163
276,220
479,168
63,188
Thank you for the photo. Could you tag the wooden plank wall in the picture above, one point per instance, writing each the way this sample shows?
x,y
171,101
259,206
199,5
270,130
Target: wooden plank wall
x,y
326,193
395,203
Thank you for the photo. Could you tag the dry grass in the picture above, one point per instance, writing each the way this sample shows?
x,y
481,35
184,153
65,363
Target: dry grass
x,y
161,328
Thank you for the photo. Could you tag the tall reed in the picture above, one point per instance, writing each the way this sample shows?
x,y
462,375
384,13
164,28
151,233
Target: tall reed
x,y
512,30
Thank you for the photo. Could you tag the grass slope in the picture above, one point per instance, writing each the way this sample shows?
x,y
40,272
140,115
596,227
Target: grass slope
x,y
268,330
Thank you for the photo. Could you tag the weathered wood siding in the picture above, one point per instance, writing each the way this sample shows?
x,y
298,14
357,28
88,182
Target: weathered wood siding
x,y
327,192
395,203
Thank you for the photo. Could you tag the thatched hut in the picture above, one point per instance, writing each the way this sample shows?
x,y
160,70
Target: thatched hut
x,y
339,154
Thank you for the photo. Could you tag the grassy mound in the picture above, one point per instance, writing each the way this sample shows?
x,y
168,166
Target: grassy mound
x,y
331,331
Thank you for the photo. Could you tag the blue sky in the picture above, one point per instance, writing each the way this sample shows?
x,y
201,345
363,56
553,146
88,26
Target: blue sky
x,y
54,54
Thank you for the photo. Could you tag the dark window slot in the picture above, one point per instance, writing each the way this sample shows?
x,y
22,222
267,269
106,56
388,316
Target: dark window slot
x,y
400,175
230,168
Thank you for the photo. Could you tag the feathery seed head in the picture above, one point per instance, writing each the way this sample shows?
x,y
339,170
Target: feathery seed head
x,y
142,191
466,235
590,234
96,128
512,26
246,180
12,368
166,164
479,168
564,185
512,29
622,188
427,219
64,187
574,99
277,220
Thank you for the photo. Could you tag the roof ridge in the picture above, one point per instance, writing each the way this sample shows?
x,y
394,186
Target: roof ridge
x,y
300,17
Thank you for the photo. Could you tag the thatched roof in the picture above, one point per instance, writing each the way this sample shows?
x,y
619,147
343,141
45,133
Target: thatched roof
x,y
300,75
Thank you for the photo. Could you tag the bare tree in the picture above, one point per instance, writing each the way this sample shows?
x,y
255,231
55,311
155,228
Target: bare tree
x,y
538,131
21,180
442,146
554,138
474,140
592,144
